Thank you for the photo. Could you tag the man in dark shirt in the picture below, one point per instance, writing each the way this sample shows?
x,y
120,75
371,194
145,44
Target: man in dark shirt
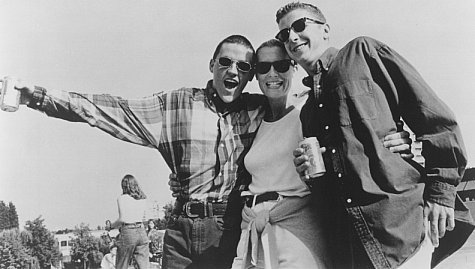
x,y
380,205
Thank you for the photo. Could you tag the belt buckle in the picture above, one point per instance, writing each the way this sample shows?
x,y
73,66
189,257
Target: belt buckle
x,y
187,208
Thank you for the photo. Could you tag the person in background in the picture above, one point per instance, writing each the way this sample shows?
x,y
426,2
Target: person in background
x,y
108,261
384,212
132,240
155,241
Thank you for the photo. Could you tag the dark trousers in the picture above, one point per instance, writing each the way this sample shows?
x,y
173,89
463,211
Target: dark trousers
x,y
208,242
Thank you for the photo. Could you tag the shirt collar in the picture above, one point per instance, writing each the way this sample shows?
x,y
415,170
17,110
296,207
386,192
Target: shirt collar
x,y
218,104
323,64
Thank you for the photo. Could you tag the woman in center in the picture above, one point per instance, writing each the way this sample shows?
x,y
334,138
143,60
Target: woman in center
x,y
280,227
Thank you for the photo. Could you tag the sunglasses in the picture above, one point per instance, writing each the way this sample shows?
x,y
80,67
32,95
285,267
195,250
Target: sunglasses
x,y
298,26
281,66
241,65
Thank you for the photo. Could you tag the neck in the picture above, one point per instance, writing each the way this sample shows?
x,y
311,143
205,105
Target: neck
x,y
311,66
278,108
221,106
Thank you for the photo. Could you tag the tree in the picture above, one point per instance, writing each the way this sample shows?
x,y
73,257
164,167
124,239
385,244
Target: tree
x,y
13,216
85,247
4,222
13,251
168,210
42,245
8,216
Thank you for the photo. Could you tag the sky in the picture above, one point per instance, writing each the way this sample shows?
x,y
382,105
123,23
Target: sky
x,y
70,173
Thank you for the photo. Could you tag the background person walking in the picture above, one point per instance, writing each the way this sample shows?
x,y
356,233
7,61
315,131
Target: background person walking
x,y
133,239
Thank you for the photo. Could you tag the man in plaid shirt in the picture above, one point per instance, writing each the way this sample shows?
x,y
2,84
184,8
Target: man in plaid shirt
x,y
200,132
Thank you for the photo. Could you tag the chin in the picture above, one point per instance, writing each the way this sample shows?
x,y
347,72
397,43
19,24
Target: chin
x,y
228,99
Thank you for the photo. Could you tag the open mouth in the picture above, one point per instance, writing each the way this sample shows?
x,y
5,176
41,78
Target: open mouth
x,y
274,84
230,83
299,47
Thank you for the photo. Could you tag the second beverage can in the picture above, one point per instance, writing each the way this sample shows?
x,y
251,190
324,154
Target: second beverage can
x,y
312,150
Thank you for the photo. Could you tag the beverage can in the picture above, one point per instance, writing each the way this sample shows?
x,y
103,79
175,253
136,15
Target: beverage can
x,y
312,150
10,97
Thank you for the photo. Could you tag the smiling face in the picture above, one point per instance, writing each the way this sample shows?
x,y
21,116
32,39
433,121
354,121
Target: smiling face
x,y
229,82
273,84
307,46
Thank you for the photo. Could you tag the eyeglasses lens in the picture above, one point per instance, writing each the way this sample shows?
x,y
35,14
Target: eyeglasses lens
x,y
298,26
281,66
241,65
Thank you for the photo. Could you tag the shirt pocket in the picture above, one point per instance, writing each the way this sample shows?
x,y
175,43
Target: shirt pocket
x,y
356,102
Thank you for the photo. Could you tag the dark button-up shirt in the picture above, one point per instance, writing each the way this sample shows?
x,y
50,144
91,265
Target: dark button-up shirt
x,y
359,92
199,144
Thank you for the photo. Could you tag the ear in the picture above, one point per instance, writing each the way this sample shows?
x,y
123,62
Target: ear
x,y
211,65
326,31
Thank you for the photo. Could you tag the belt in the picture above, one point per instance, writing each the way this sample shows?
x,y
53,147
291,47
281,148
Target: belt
x,y
252,200
202,209
133,225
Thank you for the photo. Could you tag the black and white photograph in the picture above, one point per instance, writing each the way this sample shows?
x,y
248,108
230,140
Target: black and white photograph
x,y
237,134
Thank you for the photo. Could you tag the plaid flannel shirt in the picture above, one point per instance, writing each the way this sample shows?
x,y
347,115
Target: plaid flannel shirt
x,y
199,144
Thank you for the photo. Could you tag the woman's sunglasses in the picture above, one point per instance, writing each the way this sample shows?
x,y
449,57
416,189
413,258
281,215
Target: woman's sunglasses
x,y
241,65
298,26
281,66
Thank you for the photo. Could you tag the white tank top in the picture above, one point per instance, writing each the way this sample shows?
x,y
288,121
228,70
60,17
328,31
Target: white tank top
x,y
270,159
131,210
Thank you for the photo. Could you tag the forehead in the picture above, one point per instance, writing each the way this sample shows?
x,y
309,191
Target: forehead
x,y
236,51
294,15
271,54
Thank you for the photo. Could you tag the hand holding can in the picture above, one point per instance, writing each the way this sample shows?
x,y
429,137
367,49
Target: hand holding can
x,y
10,97
311,147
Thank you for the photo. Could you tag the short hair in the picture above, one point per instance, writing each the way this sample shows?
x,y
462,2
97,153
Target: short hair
x,y
299,5
131,187
235,39
271,44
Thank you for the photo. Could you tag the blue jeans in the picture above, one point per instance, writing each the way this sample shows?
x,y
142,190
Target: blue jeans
x,y
208,242
132,241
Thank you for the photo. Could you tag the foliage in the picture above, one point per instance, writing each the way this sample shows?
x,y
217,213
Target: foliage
x,y
13,252
168,210
104,244
42,244
86,248
13,216
8,216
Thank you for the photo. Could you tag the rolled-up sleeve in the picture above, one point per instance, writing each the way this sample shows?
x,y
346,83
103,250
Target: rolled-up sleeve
x,y
138,121
431,120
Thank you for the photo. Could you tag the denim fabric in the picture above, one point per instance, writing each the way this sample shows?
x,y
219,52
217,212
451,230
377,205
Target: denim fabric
x,y
199,243
358,93
208,242
133,241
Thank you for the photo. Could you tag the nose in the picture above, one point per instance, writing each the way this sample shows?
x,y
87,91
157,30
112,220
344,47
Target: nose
x,y
293,35
272,71
233,68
